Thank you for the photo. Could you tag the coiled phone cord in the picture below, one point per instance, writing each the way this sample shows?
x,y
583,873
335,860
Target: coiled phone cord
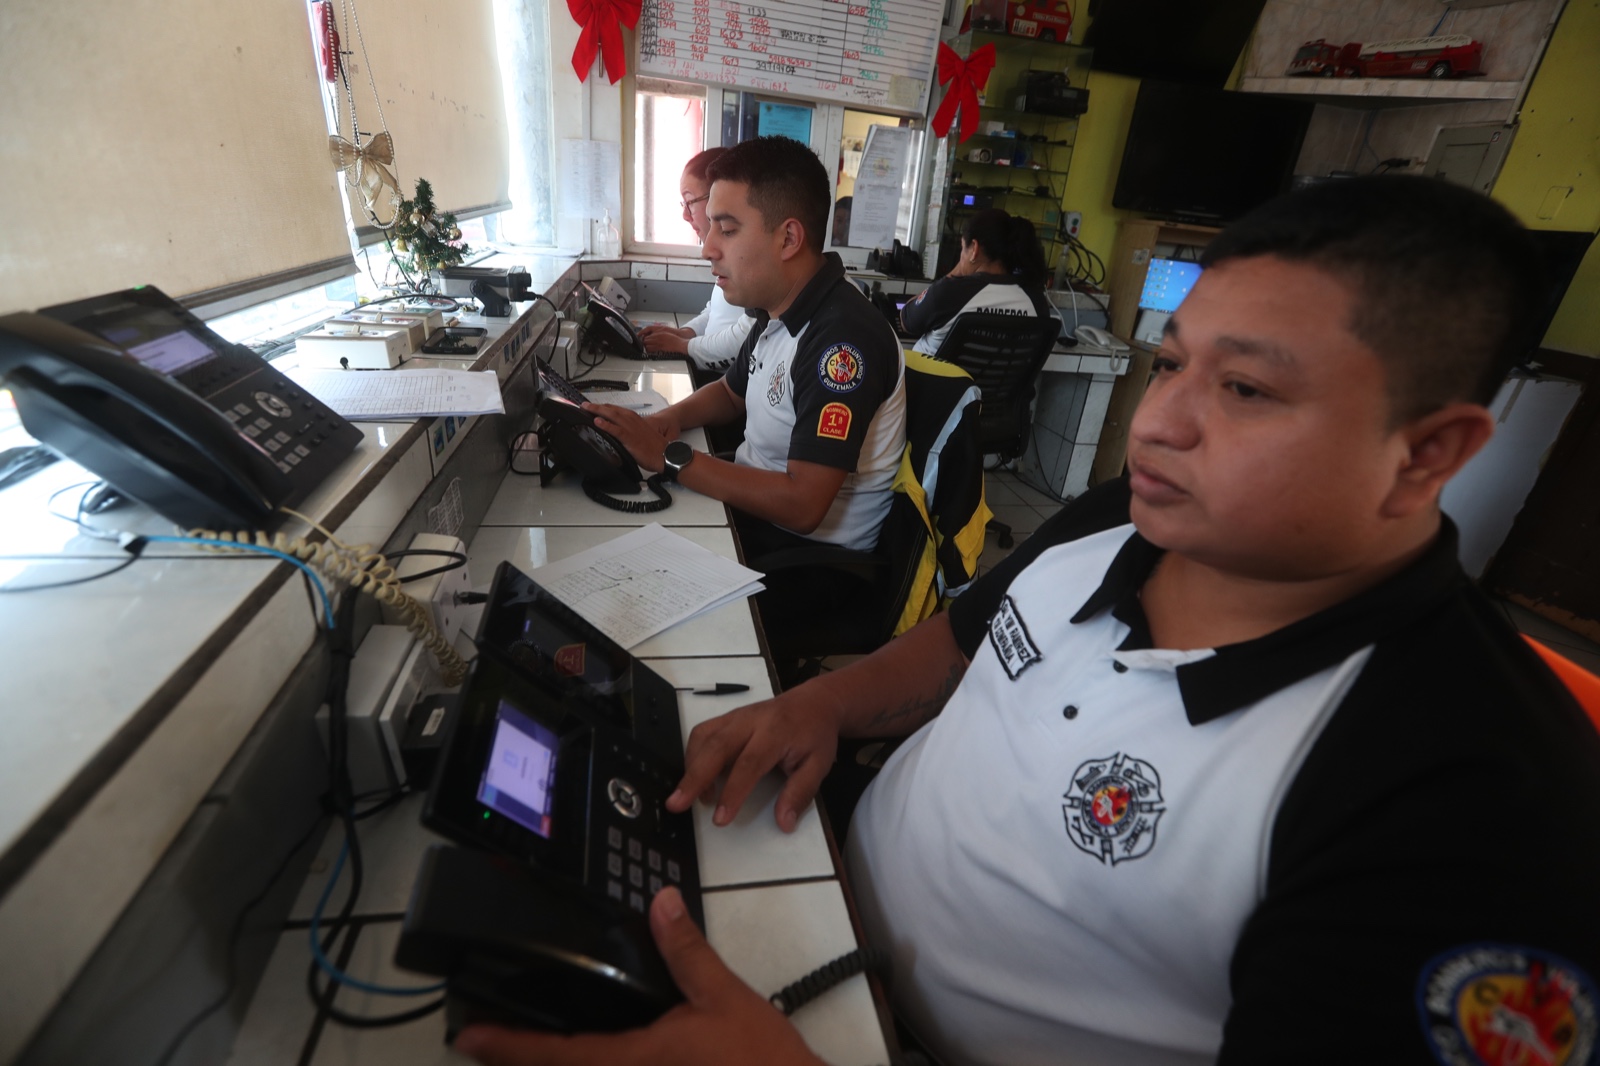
x,y
792,997
360,568
662,501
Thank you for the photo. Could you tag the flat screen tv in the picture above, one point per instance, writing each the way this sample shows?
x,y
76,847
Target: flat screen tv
x,y
1196,41
1207,155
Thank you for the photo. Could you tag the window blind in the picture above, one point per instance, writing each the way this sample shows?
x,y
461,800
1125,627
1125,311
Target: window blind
x,y
179,144
438,80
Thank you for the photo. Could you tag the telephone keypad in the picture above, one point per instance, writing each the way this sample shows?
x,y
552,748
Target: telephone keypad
x,y
614,864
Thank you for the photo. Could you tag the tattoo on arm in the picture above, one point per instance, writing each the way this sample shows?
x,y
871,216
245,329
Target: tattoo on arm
x,y
920,708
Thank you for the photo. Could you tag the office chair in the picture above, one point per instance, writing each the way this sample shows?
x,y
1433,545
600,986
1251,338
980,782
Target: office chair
x,y
927,550
1004,354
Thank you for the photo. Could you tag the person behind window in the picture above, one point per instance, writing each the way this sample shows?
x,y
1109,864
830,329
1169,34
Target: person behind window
x,y
1001,271
712,338
841,221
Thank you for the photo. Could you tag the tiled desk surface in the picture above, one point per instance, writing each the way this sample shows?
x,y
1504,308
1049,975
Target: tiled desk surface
x,y
774,907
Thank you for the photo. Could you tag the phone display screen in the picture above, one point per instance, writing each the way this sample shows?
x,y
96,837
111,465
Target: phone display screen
x,y
519,776
155,338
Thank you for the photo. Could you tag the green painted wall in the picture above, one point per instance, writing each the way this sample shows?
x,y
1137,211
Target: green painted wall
x,y
1558,148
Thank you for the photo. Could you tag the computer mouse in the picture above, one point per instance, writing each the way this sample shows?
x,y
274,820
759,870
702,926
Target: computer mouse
x,y
103,497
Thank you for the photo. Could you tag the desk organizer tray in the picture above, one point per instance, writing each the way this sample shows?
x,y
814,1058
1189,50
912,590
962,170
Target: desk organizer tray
x,y
455,340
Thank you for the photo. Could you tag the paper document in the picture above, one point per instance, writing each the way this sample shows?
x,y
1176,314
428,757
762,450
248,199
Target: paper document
x,y
645,581
383,395
644,401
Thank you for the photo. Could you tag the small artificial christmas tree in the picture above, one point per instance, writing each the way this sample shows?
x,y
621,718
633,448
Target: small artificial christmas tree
x,y
424,238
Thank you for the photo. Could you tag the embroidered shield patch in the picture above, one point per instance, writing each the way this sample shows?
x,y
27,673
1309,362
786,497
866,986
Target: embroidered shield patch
x,y
1494,1003
1113,806
775,386
834,422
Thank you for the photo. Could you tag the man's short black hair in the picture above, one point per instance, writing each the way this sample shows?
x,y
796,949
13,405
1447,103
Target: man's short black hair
x,y
1446,281
786,180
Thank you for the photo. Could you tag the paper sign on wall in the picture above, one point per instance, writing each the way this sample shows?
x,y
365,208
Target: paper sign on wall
x,y
591,178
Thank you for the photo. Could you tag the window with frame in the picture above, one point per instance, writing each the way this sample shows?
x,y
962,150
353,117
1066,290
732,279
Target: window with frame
x,y
669,128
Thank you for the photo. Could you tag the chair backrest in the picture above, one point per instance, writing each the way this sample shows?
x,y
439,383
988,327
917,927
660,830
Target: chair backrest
x,y
934,534
1004,354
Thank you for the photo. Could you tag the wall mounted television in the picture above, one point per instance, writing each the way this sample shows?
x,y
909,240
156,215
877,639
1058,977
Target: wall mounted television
x,y
1196,41
1207,155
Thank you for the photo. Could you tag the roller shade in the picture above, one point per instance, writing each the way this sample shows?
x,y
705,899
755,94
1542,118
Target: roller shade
x,y
438,79
179,144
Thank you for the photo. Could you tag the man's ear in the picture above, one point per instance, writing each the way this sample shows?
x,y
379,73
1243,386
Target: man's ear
x,y
1438,445
792,242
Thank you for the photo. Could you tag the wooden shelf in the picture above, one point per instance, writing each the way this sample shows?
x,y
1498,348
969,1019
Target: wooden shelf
x,y
1384,92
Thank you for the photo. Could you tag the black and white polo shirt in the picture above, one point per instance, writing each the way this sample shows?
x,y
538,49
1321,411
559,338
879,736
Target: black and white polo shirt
x,y
933,311
825,382
1372,836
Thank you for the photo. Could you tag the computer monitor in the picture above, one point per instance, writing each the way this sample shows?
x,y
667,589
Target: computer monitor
x,y
1166,283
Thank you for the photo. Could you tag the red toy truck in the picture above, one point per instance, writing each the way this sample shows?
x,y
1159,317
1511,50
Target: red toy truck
x,y
1454,56
1048,20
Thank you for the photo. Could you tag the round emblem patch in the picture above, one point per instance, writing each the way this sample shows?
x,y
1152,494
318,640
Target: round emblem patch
x,y
1486,1004
1113,806
840,368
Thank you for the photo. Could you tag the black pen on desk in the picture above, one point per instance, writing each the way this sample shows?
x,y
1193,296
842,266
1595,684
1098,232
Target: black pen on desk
x,y
721,688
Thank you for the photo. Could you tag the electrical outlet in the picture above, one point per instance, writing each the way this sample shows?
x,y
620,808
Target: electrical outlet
x,y
1073,220
441,593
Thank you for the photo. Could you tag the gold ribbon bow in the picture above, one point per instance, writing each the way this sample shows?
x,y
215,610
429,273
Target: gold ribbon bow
x,y
367,169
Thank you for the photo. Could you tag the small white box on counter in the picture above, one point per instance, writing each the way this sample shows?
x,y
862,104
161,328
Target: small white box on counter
x,y
352,347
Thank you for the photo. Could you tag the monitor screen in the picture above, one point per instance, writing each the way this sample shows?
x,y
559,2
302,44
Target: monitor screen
x,y
1196,41
519,775
1166,283
1205,155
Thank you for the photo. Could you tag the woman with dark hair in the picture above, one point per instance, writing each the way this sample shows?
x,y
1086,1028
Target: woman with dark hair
x,y
713,337
1001,271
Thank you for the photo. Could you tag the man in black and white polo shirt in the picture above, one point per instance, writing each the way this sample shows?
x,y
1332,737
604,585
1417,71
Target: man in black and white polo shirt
x,y
1229,762
819,382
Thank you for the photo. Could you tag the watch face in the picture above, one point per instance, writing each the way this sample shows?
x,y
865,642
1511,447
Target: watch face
x,y
678,454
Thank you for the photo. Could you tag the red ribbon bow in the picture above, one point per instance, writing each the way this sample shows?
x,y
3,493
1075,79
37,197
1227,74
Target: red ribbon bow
x,y
965,77
602,22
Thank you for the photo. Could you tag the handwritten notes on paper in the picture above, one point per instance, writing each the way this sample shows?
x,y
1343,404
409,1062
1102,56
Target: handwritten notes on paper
x,y
380,395
643,582
871,53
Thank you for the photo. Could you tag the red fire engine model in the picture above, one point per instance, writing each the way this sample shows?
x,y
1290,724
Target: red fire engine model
x,y
1456,56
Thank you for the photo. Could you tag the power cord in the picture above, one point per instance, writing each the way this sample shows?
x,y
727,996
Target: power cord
x,y
341,800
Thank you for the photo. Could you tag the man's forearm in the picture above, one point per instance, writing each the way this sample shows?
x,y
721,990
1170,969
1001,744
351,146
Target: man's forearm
x,y
900,687
713,404
796,499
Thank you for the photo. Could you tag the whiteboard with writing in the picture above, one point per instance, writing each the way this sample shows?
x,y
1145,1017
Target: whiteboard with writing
x,y
865,53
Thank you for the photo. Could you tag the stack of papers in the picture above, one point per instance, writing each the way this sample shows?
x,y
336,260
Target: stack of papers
x,y
396,395
645,581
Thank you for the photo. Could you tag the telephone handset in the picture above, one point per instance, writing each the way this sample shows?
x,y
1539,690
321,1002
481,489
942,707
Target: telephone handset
x,y
569,439
610,329
139,391
540,920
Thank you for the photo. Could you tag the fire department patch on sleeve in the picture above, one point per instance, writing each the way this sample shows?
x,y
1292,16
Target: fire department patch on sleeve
x,y
1008,633
840,368
1493,1003
834,422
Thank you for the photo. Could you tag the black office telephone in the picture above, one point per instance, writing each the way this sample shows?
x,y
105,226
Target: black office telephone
x,y
609,329
540,919
569,440
138,390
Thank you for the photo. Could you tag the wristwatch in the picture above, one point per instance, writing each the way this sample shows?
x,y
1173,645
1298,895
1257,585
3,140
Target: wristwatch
x,y
678,455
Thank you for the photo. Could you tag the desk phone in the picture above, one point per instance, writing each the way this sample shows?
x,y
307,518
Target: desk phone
x,y
138,390
541,921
